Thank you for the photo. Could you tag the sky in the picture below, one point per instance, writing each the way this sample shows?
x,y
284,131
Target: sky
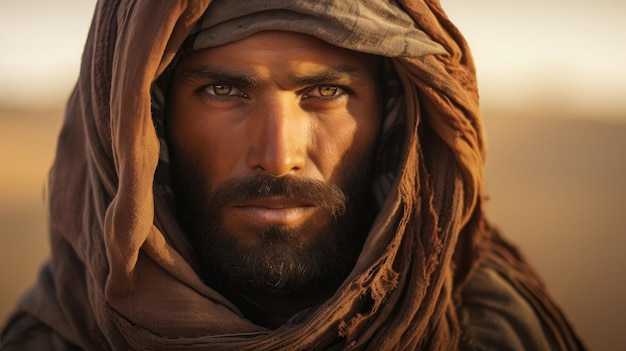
x,y
569,54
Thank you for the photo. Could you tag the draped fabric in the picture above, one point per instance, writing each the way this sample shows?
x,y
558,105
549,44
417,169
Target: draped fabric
x,y
122,274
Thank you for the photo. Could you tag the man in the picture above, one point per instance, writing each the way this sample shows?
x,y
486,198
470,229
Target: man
x,y
277,175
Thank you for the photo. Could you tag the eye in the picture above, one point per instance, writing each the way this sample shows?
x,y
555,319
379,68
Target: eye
x,y
223,90
325,91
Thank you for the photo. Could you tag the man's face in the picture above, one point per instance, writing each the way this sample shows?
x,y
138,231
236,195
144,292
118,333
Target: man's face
x,y
272,142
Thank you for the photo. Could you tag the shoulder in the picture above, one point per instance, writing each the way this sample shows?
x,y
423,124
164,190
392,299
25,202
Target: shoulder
x,y
495,316
24,332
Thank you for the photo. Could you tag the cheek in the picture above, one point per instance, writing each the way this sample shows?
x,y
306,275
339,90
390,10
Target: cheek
x,y
344,140
367,119
204,145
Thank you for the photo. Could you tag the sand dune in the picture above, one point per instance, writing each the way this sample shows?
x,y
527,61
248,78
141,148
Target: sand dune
x,y
555,188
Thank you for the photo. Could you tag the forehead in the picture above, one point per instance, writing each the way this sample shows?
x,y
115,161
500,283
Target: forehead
x,y
280,49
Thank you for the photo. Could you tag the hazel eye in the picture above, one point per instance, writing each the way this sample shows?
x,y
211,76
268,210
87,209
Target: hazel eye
x,y
223,90
325,91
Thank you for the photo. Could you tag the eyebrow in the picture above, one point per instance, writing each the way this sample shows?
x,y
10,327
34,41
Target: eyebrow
x,y
242,80
219,75
333,74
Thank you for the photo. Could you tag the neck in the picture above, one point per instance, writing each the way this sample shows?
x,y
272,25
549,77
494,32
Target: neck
x,y
273,311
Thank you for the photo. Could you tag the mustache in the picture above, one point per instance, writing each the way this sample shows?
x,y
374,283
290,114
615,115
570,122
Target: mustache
x,y
319,193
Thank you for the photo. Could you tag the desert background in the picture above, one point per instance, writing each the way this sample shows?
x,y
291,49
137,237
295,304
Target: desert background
x,y
552,76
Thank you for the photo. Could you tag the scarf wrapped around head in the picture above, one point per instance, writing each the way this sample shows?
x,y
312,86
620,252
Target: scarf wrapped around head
x,y
122,274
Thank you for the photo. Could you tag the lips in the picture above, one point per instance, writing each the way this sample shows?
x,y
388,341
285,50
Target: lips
x,y
275,210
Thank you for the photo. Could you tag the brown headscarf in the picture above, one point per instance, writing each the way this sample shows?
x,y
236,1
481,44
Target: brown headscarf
x,y
122,274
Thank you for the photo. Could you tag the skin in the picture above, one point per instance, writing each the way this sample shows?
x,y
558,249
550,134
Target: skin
x,y
291,106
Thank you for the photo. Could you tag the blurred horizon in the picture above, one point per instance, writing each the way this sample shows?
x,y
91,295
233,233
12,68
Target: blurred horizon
x,y
528,54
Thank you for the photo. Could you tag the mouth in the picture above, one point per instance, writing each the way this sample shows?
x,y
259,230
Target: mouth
x,y
277,210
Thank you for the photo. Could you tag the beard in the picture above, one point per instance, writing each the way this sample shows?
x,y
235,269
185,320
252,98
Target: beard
x,y
280,262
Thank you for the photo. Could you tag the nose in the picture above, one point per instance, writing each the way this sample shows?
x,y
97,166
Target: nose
x,y
279,137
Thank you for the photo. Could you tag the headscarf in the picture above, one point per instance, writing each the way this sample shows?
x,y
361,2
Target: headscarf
x,y
122,274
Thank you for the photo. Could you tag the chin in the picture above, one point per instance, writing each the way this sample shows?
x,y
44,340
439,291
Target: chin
x,y
283,260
